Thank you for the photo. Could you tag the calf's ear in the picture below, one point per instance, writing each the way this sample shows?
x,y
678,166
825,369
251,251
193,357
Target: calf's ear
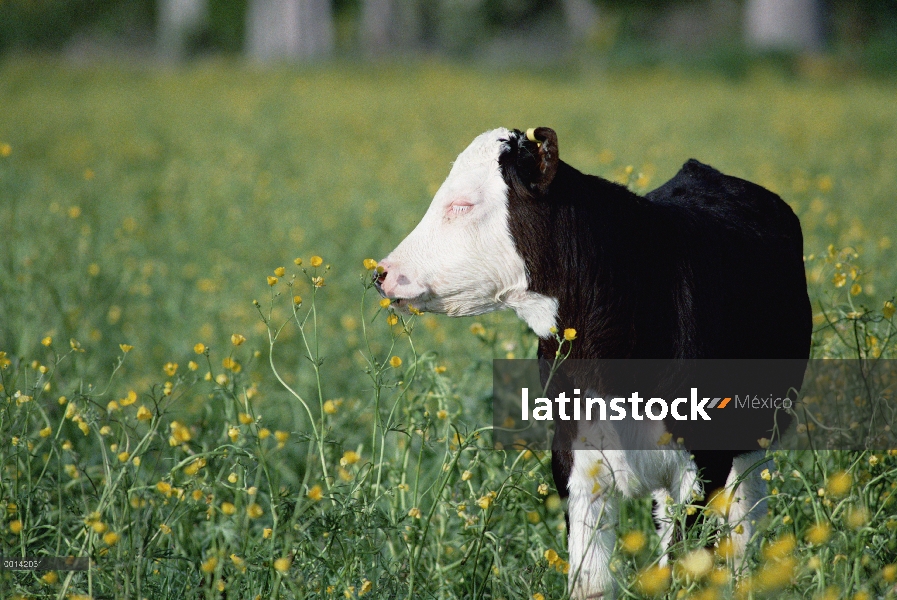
x,y
536,158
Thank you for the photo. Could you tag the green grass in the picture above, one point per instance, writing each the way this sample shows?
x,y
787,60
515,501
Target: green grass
x,y
147,207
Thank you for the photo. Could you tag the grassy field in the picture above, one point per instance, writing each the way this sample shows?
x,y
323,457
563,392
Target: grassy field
x,y
202,430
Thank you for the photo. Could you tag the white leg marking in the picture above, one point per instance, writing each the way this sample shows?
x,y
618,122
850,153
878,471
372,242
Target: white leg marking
x,y
598,480
749,500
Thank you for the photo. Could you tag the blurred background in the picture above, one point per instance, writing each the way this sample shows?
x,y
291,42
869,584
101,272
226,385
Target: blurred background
x,y
160,158
723,34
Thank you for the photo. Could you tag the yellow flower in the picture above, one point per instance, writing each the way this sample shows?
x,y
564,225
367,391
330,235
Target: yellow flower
x,y
316,261
130,399
653,580
280,271
264,432
46,432
266,532
170,368
366,586
764,475
889,573
47,341
819,533
111,538
395,362
272,281
199,348
237,339
857,517
228,508
143,414
165,528
15,526
697,564
370,264
538,596
4,362
297,262
297,300
254,511
124,456
385,302
281,436
164,487
720,577
780,548
233,433
888,310
104,430
50,577
315,494
415,513
350,457
192,365
776,574
245,418
392,319
194,467
839,279
126,348
179,432
442,414
232,478
839,484
633,542
318,282
486,501
477,329
330,407
570,334
720,502
282,564
5,150
440,369
726,548
542,489
856,289
238,562
209,565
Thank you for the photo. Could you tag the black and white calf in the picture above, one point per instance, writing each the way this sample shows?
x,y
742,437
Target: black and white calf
x,y
706,266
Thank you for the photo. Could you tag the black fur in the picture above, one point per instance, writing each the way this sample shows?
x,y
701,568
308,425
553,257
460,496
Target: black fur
x,y
706,266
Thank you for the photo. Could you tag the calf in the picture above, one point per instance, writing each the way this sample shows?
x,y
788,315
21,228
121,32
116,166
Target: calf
x,y
706,266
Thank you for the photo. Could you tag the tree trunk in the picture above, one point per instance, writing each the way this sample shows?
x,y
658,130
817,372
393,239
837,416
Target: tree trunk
x,y
581,18
178,20
390,25
289,29
784,24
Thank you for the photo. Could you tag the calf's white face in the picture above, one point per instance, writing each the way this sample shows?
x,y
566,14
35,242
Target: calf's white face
x,y
461,260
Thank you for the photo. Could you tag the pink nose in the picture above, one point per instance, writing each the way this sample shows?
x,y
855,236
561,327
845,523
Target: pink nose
x,y
380,275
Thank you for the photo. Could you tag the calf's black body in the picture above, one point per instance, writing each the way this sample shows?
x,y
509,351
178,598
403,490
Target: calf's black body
x,y
707,266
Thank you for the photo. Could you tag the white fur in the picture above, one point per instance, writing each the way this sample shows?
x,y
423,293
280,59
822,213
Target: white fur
x,y
601,476
461,259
